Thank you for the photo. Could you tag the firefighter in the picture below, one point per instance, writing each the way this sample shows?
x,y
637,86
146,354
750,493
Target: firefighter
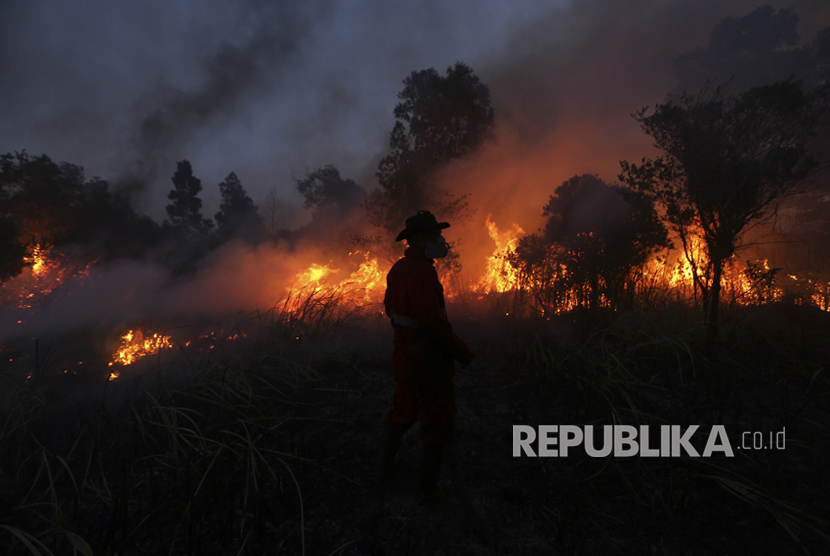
x,y
425,348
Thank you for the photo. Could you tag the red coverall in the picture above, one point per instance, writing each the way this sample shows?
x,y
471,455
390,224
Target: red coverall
x,y
425,346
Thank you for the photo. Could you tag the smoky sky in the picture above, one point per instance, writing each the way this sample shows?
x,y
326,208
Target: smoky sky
x,y
270,89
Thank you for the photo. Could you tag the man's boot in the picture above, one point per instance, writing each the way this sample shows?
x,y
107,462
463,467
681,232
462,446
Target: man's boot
x,y
431,470
394,438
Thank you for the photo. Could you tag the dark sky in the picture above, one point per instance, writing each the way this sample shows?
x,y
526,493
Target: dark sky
x,y
268,89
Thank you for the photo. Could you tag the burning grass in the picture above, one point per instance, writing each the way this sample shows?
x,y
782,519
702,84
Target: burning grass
x,y
136,345
364,286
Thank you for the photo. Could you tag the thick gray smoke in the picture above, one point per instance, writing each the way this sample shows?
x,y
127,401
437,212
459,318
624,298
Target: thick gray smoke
x,y
234,73
264,89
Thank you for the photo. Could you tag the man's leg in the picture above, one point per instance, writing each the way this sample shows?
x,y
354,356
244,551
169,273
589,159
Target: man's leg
x,y
437,419
394,438
431,470
400,419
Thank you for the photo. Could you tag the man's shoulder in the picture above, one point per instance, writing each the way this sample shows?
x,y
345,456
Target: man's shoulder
x,y
410,263
412,267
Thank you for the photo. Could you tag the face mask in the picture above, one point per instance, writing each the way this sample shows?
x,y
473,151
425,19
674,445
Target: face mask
x,y
436,249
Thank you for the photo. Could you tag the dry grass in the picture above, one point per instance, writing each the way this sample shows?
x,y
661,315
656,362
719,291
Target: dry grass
x,y
271,446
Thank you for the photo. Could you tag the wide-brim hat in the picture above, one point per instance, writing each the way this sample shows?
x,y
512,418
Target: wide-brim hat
x,y
424,221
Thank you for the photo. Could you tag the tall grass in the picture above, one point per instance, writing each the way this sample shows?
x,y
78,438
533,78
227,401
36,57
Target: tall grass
x,y
206,468
228,459
633,374
313,313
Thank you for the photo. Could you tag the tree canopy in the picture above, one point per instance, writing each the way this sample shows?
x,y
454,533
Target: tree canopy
x,y
324,189
335,203
594,236
438,119
12,251
237,216
185,210
760,48
727,160
44,203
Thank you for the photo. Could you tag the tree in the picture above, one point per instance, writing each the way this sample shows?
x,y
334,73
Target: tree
x,y
727,161
595,235
54,204
12,251
40,196
438,119
334,202
324,190
760,48
237,214
185,210
274,212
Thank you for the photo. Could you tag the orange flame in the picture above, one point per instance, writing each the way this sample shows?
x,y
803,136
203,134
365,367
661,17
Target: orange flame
x,y
38,261
135,345
368,279
499,275
312,278
49,270
363,285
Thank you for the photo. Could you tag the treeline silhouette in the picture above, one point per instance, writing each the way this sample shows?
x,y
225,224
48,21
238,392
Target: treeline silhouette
x,y
46,204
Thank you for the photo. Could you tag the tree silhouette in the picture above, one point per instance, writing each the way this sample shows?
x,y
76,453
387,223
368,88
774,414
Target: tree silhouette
x,y
237,216
757,49
438,119
53,204
12,251
594,236
727,160
274,212
40,196
185,210
324,189
335,203
761,48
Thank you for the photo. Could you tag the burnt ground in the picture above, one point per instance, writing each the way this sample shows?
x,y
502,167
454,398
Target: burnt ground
x,y
312,412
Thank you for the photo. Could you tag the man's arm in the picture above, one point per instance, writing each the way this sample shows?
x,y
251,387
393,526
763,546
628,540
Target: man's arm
x,y
428,305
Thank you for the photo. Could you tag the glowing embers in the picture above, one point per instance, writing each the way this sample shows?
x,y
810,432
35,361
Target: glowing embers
x,y
135,345
38,261
806,290
500,276
211,339
365,285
